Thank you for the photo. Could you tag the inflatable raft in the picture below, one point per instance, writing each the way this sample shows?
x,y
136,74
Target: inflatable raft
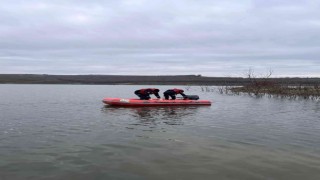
x,y
154,102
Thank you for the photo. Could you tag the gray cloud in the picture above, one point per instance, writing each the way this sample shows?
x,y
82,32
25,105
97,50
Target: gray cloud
x,y
212,38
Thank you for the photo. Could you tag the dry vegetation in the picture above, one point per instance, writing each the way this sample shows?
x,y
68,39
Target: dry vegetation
x,y
266,87
273,90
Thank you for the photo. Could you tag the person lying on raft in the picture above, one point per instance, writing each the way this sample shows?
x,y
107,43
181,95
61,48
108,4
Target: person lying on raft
x,y
144,94
173,92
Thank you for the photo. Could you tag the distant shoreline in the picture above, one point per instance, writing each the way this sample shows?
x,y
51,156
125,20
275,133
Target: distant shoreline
x,y
145,80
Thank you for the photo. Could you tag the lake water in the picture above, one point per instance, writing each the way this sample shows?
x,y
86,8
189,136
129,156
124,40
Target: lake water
x,y
65,132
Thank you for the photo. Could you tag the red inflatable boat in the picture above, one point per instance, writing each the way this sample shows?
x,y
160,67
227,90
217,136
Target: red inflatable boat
x,y
154,102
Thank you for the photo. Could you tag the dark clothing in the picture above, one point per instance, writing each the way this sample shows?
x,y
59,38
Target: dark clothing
x,y
172,93
144,94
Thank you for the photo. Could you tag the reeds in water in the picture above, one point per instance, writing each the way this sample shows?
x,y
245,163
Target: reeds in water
x,y
273,90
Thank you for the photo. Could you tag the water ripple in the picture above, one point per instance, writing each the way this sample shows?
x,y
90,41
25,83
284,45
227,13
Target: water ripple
x,y
65,132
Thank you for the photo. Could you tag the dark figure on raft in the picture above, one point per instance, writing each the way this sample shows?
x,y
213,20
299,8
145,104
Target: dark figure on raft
x,y
144,94
173,92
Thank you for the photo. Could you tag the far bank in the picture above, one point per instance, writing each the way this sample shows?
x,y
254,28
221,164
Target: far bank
x,y
148,80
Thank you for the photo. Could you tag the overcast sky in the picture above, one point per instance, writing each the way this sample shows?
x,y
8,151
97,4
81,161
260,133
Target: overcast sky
x,y
160,37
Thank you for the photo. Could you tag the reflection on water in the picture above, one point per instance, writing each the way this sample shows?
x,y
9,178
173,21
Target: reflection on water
x,y
153,116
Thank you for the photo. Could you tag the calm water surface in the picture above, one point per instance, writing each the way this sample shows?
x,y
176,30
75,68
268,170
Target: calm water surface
x,y
65,132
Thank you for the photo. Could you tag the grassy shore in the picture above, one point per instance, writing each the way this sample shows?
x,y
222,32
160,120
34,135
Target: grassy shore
x,y
308,88
147,80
